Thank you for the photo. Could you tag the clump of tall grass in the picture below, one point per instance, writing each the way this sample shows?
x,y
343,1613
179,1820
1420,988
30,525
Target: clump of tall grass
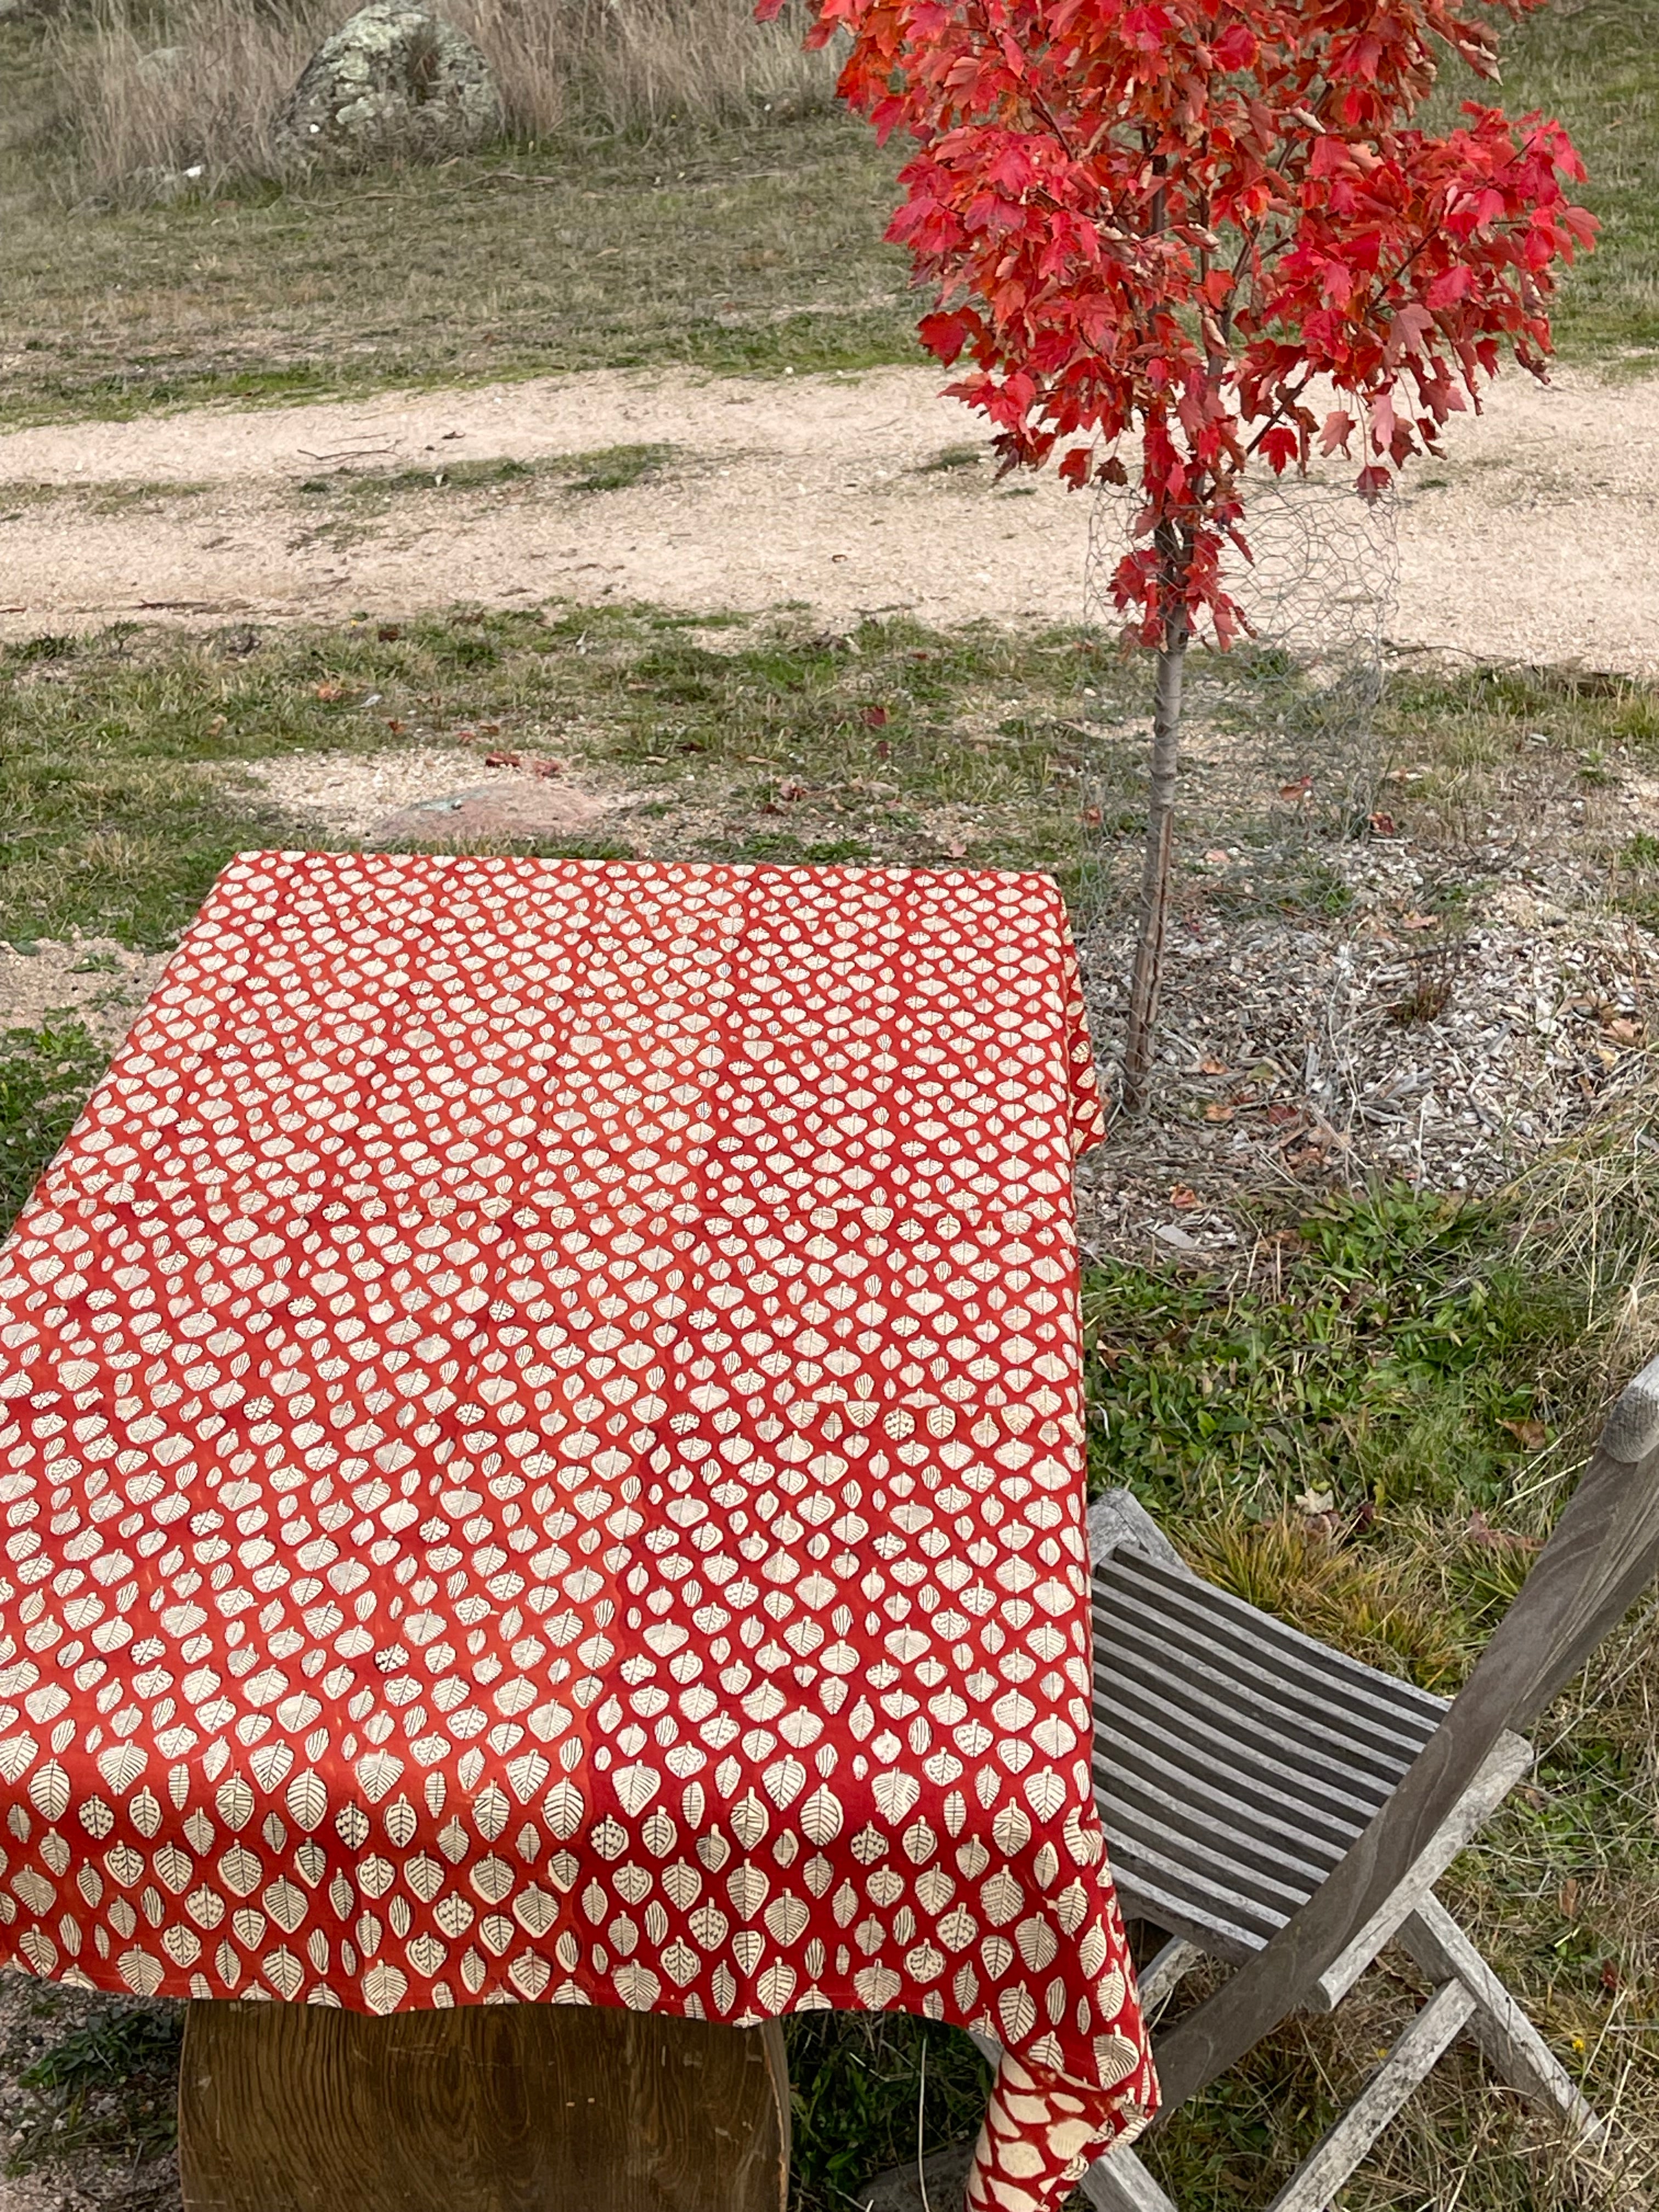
x,y
1588,1210
155,96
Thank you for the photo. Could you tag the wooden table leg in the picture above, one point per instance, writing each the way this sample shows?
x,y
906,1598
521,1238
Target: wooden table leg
x,y
486,2108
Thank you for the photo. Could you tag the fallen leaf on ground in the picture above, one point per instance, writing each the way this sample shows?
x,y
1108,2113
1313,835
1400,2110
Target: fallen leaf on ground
x,y
1216,860
1382,826
1567,1900
1316,1501
330,692
1281,1117
1218,1113
1184,1196
1421,922
502,760
1300,788
1214,1067
546,768
790,789
1533,1434
396,727
1498,1540
1623,1032
877,718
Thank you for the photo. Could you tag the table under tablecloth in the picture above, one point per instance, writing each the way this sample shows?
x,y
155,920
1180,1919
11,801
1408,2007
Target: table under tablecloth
x,y
541,1453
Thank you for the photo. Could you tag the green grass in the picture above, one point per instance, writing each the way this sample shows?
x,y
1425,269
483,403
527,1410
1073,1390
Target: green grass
x,y
1596,66
751,252
606,468
758,740
106,2086
45,1077
860,2082
1374,1357
1635,874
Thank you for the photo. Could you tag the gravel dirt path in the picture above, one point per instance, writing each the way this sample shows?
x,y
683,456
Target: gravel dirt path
x,y
1535,540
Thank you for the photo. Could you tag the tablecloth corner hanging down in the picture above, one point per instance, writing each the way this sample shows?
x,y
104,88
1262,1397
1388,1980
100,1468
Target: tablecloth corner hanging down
x,y
541,1446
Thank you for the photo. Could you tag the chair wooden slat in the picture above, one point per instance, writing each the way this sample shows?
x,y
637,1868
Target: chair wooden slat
x,y
1224,1918
1191,1681
1247,1678
1136,1821
1236,1756
1330,1676
1125,1773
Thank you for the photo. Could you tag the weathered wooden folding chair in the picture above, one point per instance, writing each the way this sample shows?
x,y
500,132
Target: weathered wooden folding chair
x,y
1274,1805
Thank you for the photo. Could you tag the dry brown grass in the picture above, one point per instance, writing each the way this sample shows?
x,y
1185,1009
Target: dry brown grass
x,y
188,93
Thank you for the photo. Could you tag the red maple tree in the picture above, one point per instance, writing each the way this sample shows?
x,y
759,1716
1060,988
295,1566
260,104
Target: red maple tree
x,y
1213,225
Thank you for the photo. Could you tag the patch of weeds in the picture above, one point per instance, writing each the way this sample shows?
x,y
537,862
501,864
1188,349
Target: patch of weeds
x,y
1489,712
613,468
606,468
1635,878
782,846
949,460
27,651
123,498
1321,889
856,2081
45,1075
117,754
1594,769
110,2084
1433,976
16,497
1376,1362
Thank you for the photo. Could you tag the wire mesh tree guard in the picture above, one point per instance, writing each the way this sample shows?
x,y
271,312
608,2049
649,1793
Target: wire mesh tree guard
x,y
1281,754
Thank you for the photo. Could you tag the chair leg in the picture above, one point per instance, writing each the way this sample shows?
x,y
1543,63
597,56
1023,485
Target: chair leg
x,y
1120,2183
1159,1978
1513,2047
1325,2169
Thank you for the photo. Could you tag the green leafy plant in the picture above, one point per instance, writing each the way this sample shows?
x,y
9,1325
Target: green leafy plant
x,y
45,1077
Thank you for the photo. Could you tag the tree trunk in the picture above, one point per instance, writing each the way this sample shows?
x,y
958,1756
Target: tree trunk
x,y
1155,869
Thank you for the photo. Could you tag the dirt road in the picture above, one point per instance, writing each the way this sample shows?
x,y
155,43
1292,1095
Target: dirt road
x,y
1535,540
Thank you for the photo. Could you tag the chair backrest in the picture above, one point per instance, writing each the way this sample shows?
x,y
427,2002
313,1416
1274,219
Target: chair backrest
x,y
1599,1559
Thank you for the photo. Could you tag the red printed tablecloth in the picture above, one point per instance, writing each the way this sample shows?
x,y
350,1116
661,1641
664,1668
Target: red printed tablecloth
x,y
540,1450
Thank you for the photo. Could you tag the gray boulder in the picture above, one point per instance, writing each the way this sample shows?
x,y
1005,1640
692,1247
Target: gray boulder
x,y
396,79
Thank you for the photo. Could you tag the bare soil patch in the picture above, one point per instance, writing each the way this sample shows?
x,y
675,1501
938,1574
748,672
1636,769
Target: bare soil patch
x,y
92,979
1535,541
396,796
